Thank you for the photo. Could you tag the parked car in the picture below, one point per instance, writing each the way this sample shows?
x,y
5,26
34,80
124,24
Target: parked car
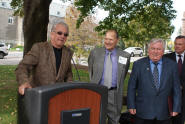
x,y
134,51
3,50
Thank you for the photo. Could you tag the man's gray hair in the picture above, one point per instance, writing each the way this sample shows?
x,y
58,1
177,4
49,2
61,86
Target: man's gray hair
x,y
61,22
157,40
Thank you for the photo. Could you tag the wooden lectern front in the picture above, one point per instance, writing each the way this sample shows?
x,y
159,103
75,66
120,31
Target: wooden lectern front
x,y
67,103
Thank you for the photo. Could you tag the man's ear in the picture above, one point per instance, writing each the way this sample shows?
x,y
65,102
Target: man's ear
x,y
51,34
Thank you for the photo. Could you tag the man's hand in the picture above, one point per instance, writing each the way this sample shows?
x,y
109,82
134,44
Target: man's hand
x,y
22,88
132,111
174,114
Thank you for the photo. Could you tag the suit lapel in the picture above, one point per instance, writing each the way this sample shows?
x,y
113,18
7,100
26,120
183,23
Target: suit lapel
x,y
120,68
52,57
150,76
101,57
174,56
163,72
63,63
183,66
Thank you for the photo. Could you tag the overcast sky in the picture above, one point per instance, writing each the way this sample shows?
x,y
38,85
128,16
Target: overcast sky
x,y
179,6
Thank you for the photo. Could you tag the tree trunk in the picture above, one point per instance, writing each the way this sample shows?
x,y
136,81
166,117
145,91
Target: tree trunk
x,y
36,19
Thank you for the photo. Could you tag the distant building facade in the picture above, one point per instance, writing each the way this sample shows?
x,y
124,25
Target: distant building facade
x,y
11,28
57,11
183,24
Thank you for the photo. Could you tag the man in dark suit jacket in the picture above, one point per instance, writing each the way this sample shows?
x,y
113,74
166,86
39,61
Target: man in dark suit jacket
x,y
46,63
152,80
179,51
120,61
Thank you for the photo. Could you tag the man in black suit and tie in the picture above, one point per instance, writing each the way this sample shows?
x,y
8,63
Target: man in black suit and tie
x,y
178,57
151,82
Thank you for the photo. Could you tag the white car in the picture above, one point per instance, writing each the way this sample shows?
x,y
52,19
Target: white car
x,y
3,50
134,51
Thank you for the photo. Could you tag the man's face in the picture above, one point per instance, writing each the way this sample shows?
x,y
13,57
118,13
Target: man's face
x,y
155,51
110,40
59,36
179,45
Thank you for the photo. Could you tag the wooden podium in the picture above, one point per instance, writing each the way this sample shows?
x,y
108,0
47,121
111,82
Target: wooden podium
x,y
52,104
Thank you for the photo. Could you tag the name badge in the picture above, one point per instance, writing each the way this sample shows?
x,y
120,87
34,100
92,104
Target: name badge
x,y
122,60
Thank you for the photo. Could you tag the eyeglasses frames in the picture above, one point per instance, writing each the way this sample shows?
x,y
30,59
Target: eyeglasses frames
x,y
61,33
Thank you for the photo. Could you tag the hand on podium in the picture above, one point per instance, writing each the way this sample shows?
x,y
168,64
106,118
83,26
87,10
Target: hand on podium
x,y
174,114
24,86
132,111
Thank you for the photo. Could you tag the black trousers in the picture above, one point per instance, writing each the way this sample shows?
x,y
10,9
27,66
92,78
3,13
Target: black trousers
x,y
152,121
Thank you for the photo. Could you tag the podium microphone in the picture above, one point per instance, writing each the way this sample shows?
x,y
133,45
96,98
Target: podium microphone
x,y
76,69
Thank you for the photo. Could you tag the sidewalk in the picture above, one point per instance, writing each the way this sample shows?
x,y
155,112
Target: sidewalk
x,y
13,58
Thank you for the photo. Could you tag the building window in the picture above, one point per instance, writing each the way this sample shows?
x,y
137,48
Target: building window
x,y
10,20
58,13
3,3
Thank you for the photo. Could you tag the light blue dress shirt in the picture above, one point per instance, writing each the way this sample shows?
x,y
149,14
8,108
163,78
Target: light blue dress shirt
x,y
159,67
114,67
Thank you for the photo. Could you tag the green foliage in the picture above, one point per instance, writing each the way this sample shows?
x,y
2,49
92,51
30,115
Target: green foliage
x,y
80,51
86,7
84,75
17,5
137,22
16,48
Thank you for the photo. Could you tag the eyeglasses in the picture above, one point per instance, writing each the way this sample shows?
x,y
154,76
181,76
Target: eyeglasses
x,y
61,33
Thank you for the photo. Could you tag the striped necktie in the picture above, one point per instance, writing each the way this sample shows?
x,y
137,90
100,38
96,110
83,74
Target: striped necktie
x,y
156,75
179,65
108,71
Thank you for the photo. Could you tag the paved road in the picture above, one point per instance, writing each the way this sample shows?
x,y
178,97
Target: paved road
x,y
14,58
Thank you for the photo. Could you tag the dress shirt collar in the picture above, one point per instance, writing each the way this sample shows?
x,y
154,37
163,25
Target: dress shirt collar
x,y
113,52
182,56
159,62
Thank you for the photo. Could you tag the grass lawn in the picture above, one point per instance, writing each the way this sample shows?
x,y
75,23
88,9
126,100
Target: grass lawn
x,y
17,48
8,92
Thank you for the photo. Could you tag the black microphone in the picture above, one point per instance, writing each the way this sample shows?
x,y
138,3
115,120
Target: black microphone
x,y
76,69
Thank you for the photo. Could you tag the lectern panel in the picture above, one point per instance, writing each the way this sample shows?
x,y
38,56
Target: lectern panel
x,y
75,116
82,98
44,104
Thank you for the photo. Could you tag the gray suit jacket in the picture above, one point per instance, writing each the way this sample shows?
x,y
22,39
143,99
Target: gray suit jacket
x,y
40,60
143,96
96,65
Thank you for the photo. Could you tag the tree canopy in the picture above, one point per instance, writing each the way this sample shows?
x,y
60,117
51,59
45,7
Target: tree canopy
x,y
136,21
